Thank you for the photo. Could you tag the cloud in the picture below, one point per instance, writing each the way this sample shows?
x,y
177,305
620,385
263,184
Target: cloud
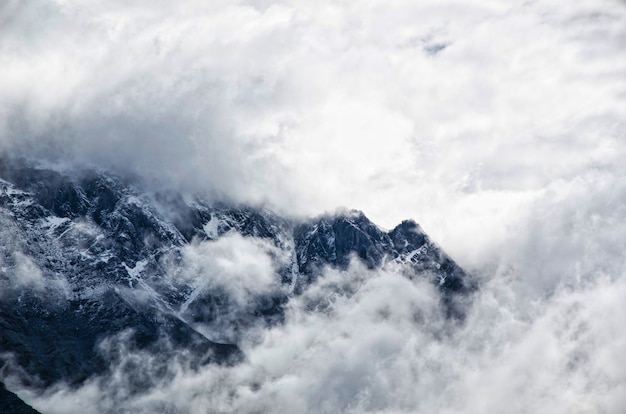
x,y
240,266
22,272
232,97
231,279
507,145
374,341
19,270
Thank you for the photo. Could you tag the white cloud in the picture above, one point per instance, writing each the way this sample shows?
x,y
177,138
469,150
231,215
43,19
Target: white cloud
x,y
19,271
377,342
230,98
239,273
241,267
24,273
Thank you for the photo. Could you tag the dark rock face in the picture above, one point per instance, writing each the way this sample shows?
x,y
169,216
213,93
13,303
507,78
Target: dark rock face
x,y
83,259
334,240
12,404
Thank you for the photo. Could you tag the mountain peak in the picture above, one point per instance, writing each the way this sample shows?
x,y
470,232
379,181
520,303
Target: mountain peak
x,y
110,247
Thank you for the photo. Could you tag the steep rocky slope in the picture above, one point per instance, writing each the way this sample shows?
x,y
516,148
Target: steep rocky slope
x,y
86,258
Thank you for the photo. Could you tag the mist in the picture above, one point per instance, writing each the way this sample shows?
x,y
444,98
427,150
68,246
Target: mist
x,y
498,126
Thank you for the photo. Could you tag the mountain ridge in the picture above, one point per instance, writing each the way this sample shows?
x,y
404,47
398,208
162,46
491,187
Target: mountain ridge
x,y
85,259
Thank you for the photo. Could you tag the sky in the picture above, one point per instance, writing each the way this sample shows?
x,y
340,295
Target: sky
x,y
499,126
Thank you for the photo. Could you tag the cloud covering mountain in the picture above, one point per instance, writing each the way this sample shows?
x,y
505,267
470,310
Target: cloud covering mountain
x,y
499,126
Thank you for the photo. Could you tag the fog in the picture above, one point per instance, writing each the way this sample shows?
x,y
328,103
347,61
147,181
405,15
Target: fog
x,y
498,126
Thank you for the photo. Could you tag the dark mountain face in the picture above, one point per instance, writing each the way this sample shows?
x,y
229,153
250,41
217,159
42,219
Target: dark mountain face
x,y
335,240
11,403
85,259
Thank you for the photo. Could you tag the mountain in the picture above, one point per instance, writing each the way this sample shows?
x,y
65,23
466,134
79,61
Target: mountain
x,y
12,404
86,257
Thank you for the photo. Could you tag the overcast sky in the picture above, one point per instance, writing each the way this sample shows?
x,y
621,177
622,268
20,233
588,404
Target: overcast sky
x,y
499,126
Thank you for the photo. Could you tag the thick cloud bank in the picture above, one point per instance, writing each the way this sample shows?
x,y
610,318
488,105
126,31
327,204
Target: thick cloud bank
x,y
498,125
365,341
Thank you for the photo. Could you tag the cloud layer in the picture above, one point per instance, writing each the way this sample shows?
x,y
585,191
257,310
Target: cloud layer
x,y
373,341
499,126
447,112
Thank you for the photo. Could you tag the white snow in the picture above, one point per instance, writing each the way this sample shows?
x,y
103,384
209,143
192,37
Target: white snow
x,y
53,222
135,272
10,190
421,250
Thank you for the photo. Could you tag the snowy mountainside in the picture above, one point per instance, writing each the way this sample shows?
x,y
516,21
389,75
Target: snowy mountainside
x,y
86,258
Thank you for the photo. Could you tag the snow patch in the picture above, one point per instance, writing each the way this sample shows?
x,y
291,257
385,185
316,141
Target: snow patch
x,y
135,272
54,222
10,190
421,251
